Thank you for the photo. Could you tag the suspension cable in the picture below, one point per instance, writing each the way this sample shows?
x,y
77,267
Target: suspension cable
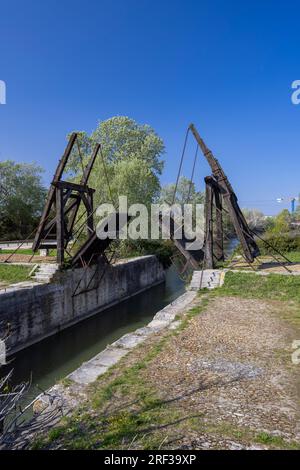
x,y
192,176
181,162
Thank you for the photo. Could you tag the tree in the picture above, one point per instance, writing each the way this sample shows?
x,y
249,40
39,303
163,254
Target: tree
x,y
132,155
186,193
282,223
296,215
255,219
22,197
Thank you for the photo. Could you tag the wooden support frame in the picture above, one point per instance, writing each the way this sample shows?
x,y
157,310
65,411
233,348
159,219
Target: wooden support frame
x,y
244,234
63,201
219,235
60,226
214,236
51,193
208,247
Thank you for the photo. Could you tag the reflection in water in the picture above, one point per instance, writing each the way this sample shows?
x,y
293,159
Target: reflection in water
x,y
55,357
230,245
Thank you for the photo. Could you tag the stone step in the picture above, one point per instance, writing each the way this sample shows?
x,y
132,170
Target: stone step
x,y
209,278
45,272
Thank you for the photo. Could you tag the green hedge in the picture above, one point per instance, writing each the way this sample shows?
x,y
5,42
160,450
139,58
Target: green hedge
x,y
163,249
282,243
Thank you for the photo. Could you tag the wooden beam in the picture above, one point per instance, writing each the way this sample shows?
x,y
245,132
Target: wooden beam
x,y
208,248
249,246
60,226
219,240
83,182
73,187
51,193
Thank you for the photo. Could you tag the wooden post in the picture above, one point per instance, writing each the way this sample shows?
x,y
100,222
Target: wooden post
x,y
209,261
90,219
219,243
59,225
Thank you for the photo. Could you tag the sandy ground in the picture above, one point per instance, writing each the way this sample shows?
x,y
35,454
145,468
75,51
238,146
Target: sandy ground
x,y
266,265
17,258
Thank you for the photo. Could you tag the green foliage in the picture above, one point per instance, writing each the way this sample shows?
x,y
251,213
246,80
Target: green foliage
x,y
284,243
186,193
255,219
163,249
22,198
11,273
132,155
279,235
282,222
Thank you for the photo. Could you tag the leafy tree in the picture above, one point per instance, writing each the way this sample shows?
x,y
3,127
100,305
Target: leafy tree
x,y
296,215
186,193
22,198
255,219
282,223
130,163
280,234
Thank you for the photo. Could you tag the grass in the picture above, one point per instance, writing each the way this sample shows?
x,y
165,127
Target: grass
x,y
293,256
26,251
271,286
10,274
21,251
276,442
137,414
124,411
243,434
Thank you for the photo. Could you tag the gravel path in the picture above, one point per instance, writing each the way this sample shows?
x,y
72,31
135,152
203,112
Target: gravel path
x,y
231,369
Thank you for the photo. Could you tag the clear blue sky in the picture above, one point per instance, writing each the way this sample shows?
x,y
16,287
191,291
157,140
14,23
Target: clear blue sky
x,y
227,66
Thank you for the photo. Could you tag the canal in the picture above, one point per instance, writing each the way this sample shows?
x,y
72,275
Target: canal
x,y
50,360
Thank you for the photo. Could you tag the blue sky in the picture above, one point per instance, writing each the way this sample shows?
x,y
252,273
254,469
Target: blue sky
x,y
227,66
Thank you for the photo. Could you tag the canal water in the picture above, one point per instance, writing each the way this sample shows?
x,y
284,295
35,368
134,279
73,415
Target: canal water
x,y
47,362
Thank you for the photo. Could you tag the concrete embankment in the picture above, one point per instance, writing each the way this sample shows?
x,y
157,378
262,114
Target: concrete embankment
x,y
29,314
78,381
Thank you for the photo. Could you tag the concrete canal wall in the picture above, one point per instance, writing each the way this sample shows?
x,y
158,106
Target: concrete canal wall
x,y
32,313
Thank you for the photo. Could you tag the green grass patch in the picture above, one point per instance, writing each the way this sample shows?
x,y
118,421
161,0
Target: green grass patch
x,y
244,435
26,251
276,442
20,251
10,274
271,286
293,256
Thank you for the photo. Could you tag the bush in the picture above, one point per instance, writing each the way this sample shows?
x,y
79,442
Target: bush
x,y
162,249
283,243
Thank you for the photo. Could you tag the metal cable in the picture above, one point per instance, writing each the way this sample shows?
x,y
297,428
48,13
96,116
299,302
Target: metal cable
x,y
181,162
192,176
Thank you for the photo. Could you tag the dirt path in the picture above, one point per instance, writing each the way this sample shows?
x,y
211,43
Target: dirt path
x,y
231,369
220,378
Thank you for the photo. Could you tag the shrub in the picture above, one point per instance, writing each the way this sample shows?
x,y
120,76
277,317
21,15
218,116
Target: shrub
x,y
283,243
